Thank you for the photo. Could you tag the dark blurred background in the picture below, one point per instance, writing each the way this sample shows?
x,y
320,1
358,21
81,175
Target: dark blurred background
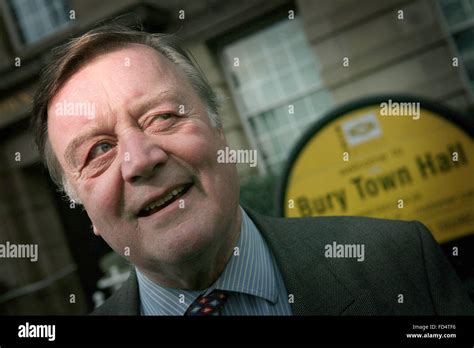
x,y
282,61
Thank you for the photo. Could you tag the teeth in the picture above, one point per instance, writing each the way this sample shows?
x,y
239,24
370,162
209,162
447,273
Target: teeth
x,y
165,199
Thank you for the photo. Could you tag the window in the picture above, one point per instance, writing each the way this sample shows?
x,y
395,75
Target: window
x,y
37,19
277,87
459,16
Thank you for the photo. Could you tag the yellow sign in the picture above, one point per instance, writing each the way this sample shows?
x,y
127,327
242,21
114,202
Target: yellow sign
x,y
387,159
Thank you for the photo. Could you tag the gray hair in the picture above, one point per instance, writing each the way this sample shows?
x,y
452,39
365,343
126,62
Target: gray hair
x,y
68,58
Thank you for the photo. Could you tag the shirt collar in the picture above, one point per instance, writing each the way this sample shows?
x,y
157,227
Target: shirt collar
x,y
251,260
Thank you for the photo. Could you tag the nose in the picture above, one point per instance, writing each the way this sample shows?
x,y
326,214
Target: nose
x,y
141,156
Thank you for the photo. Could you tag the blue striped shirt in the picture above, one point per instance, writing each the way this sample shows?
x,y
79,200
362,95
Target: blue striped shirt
x,y
251,275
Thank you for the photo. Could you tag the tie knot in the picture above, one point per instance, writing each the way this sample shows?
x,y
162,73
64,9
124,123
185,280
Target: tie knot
x,y
210,304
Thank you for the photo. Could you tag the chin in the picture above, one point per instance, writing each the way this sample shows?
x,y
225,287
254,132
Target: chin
x,y
180,246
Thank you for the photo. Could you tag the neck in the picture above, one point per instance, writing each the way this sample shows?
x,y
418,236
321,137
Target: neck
x,y
204,268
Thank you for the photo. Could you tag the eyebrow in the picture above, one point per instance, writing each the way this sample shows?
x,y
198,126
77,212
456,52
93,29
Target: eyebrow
x,y
152,100
69,153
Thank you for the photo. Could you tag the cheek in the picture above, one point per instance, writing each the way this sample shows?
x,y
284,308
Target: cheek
x,y
199,149
102,196
197,145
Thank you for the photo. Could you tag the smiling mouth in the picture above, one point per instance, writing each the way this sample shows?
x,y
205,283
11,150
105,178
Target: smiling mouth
x,y
164,201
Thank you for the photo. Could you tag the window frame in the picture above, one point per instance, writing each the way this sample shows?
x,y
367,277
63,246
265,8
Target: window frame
x,y
448,33
13,31
246,117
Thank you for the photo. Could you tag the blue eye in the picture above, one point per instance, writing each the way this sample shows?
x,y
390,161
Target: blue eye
x,y
163,116
99,149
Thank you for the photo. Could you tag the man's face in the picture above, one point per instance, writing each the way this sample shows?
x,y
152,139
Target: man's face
x,y
144,165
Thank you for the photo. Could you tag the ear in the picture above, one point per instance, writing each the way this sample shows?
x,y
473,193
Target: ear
x,y
94,229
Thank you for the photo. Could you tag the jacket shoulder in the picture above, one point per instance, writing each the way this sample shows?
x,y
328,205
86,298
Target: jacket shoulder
x,y
401,261
382,232
125,301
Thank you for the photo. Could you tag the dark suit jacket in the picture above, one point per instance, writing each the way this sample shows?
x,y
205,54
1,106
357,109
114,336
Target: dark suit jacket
x,y
401,258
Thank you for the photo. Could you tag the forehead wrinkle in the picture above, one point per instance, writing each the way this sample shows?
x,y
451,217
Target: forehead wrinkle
x,y
163,72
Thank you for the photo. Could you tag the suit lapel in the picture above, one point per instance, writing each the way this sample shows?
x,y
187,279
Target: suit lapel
x,y
316,289
130,297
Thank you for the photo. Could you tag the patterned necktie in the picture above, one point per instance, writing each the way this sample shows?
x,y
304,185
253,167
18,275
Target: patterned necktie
x,y
211,304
